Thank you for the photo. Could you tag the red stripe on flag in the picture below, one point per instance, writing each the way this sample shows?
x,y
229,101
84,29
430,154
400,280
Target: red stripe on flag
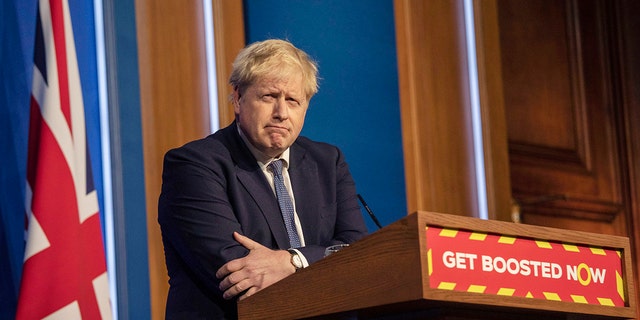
x,y
57,23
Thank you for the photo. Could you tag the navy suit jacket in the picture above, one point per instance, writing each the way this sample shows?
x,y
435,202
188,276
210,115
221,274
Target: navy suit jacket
x,y
214,186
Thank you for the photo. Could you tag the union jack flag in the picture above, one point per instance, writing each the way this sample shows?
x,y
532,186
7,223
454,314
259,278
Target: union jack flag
x,y
64,272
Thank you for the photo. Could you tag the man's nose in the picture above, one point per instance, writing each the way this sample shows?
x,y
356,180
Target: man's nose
x,y
280,109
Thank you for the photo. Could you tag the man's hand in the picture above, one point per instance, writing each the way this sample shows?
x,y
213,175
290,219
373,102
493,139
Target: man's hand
x,y
261,268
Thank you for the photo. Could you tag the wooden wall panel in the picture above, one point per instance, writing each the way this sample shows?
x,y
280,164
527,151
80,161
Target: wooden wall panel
x,y
174,96
228,27
174,100
628,51
563,146
435,113
541,101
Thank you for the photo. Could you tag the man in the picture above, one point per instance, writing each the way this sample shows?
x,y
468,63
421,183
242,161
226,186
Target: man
x,y
226,229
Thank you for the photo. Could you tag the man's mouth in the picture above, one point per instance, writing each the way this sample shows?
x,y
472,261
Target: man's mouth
x,y
276,128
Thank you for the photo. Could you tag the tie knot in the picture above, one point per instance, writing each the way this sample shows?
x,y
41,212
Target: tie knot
x,y
276,166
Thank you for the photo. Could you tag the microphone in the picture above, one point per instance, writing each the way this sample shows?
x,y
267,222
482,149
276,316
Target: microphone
x,y
373,216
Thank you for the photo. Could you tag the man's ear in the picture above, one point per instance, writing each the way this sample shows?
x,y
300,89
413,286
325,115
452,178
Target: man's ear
x,y
236,100
237,94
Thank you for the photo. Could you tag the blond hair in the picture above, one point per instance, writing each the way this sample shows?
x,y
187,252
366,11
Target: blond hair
x,y
273,58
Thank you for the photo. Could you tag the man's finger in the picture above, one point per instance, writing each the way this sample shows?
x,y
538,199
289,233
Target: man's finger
x,y
226,283
236,289
227,269
222,272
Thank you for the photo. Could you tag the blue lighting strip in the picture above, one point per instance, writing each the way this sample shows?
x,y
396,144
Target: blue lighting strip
x,y
476,118
106,156
211,66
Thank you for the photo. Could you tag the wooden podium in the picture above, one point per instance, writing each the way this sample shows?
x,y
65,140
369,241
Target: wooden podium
x,y
387,275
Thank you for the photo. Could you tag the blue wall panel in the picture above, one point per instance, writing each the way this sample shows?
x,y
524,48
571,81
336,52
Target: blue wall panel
x,y
127,163
357,107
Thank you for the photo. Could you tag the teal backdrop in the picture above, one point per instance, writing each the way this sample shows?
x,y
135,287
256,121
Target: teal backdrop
x,y
357,107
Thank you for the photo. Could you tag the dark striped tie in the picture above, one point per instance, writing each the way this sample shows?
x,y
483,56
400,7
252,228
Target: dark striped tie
x,y
286,205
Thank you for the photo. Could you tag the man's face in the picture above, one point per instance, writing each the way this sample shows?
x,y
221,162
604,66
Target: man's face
x,y
271,113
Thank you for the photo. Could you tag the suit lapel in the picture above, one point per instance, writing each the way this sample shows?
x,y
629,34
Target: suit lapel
x,y
304,179
251,177
260,191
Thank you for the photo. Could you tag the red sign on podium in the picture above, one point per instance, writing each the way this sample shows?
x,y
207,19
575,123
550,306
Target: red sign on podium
x,y
521,267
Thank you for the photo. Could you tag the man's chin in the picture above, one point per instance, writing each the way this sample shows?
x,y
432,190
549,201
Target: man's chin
x,y
276,149
278,142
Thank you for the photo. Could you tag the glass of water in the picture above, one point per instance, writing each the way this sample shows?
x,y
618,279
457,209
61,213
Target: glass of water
x,y
334,248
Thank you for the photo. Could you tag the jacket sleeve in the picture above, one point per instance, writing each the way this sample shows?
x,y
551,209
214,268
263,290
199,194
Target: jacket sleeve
x,y
196,217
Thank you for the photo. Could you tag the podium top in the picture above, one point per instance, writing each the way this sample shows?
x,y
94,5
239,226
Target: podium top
x,y
433,261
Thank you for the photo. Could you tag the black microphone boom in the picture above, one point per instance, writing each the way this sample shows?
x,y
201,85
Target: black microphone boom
x,y
366,207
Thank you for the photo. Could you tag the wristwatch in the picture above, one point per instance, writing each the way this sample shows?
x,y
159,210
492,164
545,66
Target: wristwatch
x,y
295,259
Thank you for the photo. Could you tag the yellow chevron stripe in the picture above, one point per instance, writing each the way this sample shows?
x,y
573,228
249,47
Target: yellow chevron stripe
x,y
446,285
552,296
507,240
430,261
476,288
620,286
606,302
571,248
449,233
478,236
543,244
579,299
598,251
506,292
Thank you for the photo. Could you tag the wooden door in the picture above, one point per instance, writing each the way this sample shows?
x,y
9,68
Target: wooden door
x,y
567,97
561,115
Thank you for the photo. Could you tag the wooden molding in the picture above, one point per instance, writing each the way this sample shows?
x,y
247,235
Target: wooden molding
x,y
229,37
174,97
494,125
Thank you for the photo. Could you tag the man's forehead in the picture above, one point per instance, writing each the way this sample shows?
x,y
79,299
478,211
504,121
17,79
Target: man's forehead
x,y
280,84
